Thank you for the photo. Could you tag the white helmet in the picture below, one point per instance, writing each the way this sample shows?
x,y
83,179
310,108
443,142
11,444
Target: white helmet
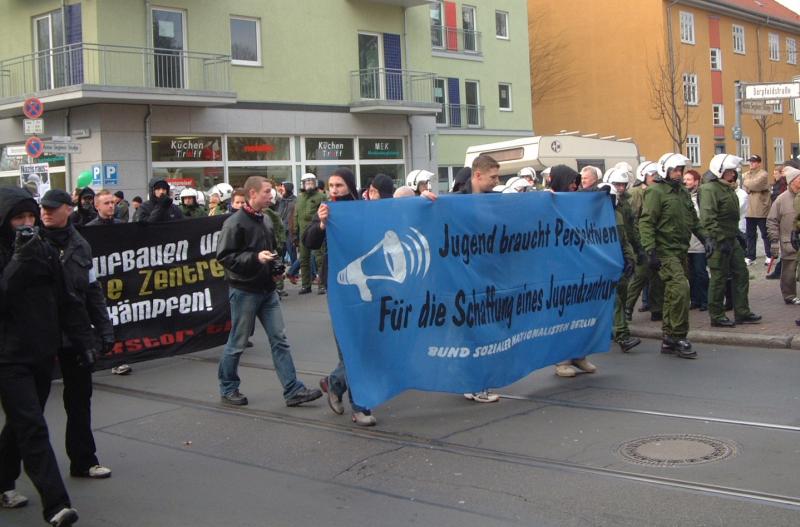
x,y
722,162
274,194
644,169
625,166
518,183
527,172
201,198
307,176
546,171
223,190
189,192
611,190
672,160
501,189
415,177
619,175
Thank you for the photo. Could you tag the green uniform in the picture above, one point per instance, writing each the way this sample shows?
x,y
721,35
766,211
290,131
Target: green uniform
x,y
665,227
304,211
196,211
621,331
642,275
719,218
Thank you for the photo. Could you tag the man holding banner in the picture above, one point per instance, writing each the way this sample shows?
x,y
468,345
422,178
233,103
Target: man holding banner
x,y
246,251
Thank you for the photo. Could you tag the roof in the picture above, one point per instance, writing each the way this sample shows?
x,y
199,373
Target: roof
x,y
767,8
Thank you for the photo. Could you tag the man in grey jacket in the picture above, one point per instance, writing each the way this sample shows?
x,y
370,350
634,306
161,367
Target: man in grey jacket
x,y
780,223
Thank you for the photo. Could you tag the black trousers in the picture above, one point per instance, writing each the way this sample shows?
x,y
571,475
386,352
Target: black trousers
x,y
23,393
752,225
80,444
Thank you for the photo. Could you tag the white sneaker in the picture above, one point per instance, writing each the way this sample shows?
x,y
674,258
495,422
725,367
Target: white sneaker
x,y
584,365
11,499
64,517
767,261
565,370
362,419
748,261
482,397
99,472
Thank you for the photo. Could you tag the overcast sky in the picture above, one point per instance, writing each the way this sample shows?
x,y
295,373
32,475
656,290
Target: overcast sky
x,y
791,4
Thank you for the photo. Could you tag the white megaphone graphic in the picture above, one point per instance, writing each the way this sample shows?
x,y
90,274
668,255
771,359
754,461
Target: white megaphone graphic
x,y
401,260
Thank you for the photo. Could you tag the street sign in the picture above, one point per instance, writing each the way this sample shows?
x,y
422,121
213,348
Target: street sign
x,y
16,151
788,90
33,126
756,108
52,147
105,174
34,147
61,139
33,108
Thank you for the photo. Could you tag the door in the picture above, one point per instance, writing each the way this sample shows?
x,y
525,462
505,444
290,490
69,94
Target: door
x,y
169,45
369,66
49,39
440,97
472,99
468,25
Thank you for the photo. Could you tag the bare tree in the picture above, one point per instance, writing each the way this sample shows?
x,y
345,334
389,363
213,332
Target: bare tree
x,y
668,97
549,75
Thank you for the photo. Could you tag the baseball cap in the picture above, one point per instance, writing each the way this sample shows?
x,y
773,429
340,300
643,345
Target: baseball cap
x,y
54,198
755,157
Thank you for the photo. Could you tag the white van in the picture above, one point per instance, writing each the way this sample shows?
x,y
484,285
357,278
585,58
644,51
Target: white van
x,y
545,151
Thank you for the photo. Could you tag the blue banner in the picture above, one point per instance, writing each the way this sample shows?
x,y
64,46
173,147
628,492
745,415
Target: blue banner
x,y
469,292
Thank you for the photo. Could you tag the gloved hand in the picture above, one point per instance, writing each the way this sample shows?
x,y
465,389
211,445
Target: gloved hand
x,y
653,262
742,239
710,247
627,270
87,358
726,247
795,239
641,257
27,243
108,346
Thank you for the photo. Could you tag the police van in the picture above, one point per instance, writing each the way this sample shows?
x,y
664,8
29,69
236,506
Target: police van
x,y
544,151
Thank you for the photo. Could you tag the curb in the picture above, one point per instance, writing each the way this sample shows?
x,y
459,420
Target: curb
x,y
727,339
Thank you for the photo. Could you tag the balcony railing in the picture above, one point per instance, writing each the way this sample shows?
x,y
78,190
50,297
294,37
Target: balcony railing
x,y
451,39
115,66
460,116
391,87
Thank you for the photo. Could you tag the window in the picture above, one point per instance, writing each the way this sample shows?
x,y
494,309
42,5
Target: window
x,y
169,43
791,51
738,39
693,149
437,25
777,106
716,59
473,100
440,97
245,41
718,112
774,47
504,96
501,24
48,41
690,88
778,142
468,23
745,147
687,28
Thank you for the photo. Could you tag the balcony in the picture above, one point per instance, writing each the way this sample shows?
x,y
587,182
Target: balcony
x,y
90,73
401,3
449,40
460,116
392,91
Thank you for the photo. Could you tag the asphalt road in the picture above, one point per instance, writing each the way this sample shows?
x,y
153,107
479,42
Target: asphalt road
x,y
548,454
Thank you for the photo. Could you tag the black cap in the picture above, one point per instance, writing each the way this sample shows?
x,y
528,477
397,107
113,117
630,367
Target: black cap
x,y
119,194
755,157
54,198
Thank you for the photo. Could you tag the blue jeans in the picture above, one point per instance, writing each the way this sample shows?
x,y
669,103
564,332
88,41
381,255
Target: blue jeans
x,y
698,279
337,383
245,307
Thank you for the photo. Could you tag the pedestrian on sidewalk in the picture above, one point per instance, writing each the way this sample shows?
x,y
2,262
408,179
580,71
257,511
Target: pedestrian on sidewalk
x,y
780,224
719,220
698,272
757,183
246,251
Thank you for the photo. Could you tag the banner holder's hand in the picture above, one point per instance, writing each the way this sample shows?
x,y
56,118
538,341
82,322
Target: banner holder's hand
x,y
428,194
323,213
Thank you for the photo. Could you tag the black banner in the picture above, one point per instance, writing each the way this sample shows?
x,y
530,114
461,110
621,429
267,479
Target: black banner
x,y
163,285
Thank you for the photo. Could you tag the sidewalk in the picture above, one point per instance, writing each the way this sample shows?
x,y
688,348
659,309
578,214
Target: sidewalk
x,y
777,330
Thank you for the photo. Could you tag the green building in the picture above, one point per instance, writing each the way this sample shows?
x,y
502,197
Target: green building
x,y
203,92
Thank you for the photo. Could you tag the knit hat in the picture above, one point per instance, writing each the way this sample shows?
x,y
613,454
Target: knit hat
x,y
119,194
349,178
790,173
561,177
29,205
384,185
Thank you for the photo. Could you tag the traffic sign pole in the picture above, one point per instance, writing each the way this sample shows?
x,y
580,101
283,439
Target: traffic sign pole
x,y
737,127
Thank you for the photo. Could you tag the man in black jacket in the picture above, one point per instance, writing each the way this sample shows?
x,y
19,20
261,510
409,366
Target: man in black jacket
x,y
85,211
159,207
34,310
104,204
80,282
246,251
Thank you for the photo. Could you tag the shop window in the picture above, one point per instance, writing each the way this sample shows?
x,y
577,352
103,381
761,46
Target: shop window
x,y
200,178
328,149
186,148
258,148
277,174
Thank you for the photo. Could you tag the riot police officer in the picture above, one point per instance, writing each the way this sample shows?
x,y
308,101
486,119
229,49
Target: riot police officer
x,y
719,219
665,227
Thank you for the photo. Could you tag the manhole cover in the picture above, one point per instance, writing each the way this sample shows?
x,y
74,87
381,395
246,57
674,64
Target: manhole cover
x,y
676,450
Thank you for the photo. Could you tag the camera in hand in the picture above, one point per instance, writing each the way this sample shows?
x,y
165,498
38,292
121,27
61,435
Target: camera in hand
x,y
27,232
278,268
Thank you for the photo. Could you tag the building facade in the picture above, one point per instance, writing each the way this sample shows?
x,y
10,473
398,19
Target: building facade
x,y
663,73
206,92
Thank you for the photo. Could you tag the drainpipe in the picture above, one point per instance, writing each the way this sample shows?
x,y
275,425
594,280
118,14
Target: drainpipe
x,y
671,58
408,117
147,151
67,157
